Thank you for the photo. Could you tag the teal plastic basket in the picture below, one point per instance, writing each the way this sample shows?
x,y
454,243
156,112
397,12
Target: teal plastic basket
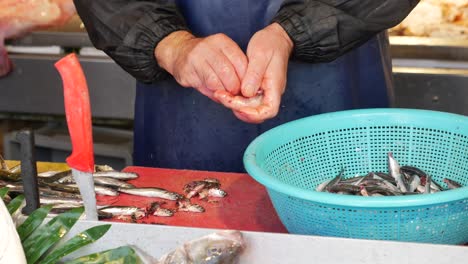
x,y
292,159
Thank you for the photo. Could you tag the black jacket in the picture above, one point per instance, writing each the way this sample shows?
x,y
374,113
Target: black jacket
x,y
322,30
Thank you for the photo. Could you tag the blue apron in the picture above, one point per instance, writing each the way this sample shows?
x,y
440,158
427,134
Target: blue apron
x,y
179,128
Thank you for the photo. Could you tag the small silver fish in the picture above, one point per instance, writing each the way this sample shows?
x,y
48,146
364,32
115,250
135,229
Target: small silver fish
x,y
414,183
60,200
421,188
216,192
452,184
10,184
163,212
55,176
213,180
112,182
428,184
382,190
386,177
436,186
98,168
65,206
352,180
152,192
203,194
120,175
334,181
53,193
364,191
157,210
15,169
193,188
388,185
345,188
124,211
360,179
322,186
102,190
186,206
66,179
47,174
395,172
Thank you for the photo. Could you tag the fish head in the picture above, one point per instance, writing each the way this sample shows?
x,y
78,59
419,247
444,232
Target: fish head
x,y
211,180
215,192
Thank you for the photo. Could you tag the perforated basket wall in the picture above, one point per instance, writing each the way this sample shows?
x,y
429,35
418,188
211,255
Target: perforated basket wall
x,y
292,159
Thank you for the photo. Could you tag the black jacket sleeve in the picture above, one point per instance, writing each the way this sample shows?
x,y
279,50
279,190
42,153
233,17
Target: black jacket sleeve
x,y
129,30
322,30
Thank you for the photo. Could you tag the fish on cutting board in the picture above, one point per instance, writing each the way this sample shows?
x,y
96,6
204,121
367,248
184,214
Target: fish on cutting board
x,y
157,210
19,17
152,192
208,187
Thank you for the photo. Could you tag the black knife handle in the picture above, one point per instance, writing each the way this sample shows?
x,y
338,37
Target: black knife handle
x,y
28,170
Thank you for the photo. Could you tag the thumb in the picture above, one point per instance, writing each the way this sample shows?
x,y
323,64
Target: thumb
x,y
254,76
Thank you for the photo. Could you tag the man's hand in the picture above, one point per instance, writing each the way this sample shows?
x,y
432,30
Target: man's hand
x,y
206,64
265,79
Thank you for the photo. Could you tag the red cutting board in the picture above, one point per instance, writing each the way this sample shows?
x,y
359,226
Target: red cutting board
x,y
247,206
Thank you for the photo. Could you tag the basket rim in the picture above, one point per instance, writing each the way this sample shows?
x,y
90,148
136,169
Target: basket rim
x,y
274,184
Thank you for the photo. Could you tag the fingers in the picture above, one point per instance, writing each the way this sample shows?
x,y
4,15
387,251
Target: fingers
x,y
261,107
250,110
241,116
253,78
225,73
199,79
230,62
237,57
237,102
218,62
211,80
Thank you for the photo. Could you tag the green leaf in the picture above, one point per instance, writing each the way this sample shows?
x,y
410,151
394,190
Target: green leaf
x,y
33,221
3,192
124,255
49,234
15,204
78,241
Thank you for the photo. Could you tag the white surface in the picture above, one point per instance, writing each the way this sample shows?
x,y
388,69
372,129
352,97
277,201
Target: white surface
x,y
11,250
276,248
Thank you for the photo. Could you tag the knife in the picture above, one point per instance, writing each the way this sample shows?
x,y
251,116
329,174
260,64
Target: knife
x,y
78,115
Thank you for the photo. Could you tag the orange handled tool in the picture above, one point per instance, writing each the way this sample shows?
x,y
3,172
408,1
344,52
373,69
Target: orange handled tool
x,y
78,114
